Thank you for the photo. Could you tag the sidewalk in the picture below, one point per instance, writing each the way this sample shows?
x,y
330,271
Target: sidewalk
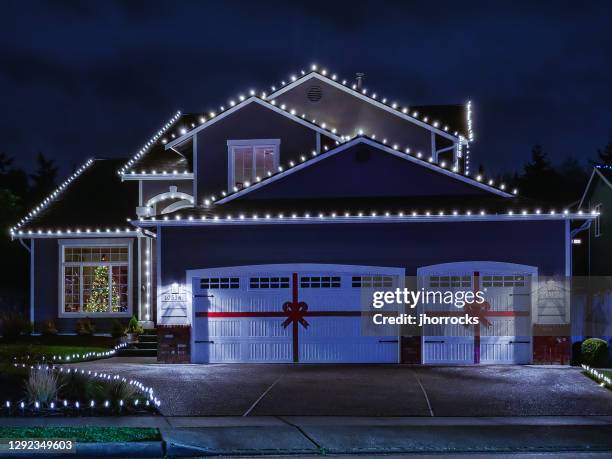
x,y
191,436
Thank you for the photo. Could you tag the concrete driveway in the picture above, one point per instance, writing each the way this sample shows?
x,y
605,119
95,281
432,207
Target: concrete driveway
x,y
365,390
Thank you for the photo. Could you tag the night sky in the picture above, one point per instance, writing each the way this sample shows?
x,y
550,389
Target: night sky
x,y
83,79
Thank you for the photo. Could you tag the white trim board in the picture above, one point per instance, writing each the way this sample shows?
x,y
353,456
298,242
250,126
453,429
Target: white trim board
x,y
374,102
367,219
168,176
244,103
372,143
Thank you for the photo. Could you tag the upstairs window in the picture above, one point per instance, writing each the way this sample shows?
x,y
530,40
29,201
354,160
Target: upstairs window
x,y
250,160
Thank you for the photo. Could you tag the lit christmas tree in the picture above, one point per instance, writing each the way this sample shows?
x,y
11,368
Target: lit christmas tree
x,y
98,298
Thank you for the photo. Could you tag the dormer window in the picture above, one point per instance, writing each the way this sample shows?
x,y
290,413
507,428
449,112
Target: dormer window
x,y
250,160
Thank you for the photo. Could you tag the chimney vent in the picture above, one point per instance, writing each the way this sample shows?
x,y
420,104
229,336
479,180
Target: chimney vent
x,y
359,77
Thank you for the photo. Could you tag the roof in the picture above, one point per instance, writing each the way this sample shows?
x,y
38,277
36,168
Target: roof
x,y
93,198
230,195
600,171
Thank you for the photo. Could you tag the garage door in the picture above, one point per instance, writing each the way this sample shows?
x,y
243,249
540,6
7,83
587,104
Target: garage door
x,y
286,313
504,333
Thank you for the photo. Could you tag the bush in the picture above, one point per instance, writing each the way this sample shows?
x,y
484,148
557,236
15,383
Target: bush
x,y
117,329
117,390
13,324
77,387
134,326
594,352
85,326
42,386
50,328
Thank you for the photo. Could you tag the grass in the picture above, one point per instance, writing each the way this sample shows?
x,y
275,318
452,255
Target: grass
x,y
35,351
84,434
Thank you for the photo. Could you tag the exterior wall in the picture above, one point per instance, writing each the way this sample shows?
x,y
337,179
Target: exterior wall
x,y
152,188
251,122
410,246
364,171
47,288
348,115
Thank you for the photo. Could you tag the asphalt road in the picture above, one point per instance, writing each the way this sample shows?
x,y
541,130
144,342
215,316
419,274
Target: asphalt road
x,y
365,390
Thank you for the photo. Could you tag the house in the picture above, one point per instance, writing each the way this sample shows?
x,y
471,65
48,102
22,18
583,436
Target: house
x,y
253,229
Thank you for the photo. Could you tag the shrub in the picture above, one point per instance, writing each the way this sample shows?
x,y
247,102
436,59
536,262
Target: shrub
x,y
134,326
117,390
117,329
85,326
13,324
594,352
50,328
42,386
77,387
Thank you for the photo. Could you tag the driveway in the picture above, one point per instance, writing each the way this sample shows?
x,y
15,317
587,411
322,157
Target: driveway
x,y
365,390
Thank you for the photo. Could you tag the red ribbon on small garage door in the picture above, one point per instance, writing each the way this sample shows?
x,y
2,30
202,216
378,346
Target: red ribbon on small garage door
x,y
293,311
480,310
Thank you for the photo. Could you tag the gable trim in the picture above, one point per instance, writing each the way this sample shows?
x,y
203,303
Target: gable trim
x,y
371,143
348,90
244,103
586,190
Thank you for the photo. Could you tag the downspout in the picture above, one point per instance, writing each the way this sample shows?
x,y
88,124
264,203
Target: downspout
x,y
30,249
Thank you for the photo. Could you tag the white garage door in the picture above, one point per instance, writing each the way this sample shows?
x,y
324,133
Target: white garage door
x,y
286,313
504,333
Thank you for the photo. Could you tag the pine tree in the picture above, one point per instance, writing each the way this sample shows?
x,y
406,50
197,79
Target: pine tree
x,y
98,298
605,155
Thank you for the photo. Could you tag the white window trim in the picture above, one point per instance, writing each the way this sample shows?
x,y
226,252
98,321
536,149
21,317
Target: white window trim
x,y
62,243
275,143
597,221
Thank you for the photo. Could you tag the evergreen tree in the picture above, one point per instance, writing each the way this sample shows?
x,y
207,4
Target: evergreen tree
x,y
539,179
604,155
43,180
98,297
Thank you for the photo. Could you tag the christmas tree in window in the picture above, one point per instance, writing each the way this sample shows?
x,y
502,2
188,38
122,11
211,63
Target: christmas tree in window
x,y
98,297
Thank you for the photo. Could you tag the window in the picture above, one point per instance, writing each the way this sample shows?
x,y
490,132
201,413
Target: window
x,y
250,160
598,209
372,281
208,283
95,279
320,282
503,281
268,282
450,281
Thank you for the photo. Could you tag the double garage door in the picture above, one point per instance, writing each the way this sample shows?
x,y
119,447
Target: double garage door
x,y
287,313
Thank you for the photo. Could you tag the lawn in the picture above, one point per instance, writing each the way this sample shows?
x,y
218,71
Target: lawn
x,y
83,434
37,351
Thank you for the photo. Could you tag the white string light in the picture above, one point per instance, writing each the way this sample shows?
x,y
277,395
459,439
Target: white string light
x,y
600,377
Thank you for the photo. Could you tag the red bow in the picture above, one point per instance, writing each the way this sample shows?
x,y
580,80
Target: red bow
x,y
479,310
295,313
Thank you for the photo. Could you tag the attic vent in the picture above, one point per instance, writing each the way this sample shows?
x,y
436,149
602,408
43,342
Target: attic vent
x,y
314,93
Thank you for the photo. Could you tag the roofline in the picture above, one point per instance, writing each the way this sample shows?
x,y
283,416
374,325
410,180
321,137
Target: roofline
x,y
314,74
372,143
242,104
158,176
586,190
405,218
59,234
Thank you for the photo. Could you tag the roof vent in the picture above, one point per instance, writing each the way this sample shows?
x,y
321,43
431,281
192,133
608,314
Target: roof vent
x,y
359,77
314,93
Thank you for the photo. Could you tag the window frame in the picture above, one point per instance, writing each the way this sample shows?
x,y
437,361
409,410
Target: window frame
x,y
107,242
232,144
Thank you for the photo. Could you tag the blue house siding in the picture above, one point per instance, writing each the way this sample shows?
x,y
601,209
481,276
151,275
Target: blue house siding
x,y
47,287
364,171
409,245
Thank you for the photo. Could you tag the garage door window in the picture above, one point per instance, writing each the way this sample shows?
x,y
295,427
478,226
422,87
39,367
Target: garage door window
x,y
268,282
209,283
320,282
372,281
503,281
450,281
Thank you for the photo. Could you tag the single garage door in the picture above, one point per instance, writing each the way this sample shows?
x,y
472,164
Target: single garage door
x,y
504,333
287,313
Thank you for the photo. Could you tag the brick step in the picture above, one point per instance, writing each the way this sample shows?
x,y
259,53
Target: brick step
x,y
147,339
142,345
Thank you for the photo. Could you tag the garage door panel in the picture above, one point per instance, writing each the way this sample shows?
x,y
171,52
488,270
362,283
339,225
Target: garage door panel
x,y
445,350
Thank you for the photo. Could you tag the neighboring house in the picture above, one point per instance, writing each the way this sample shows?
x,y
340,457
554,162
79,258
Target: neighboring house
x,y
253,229
596,259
